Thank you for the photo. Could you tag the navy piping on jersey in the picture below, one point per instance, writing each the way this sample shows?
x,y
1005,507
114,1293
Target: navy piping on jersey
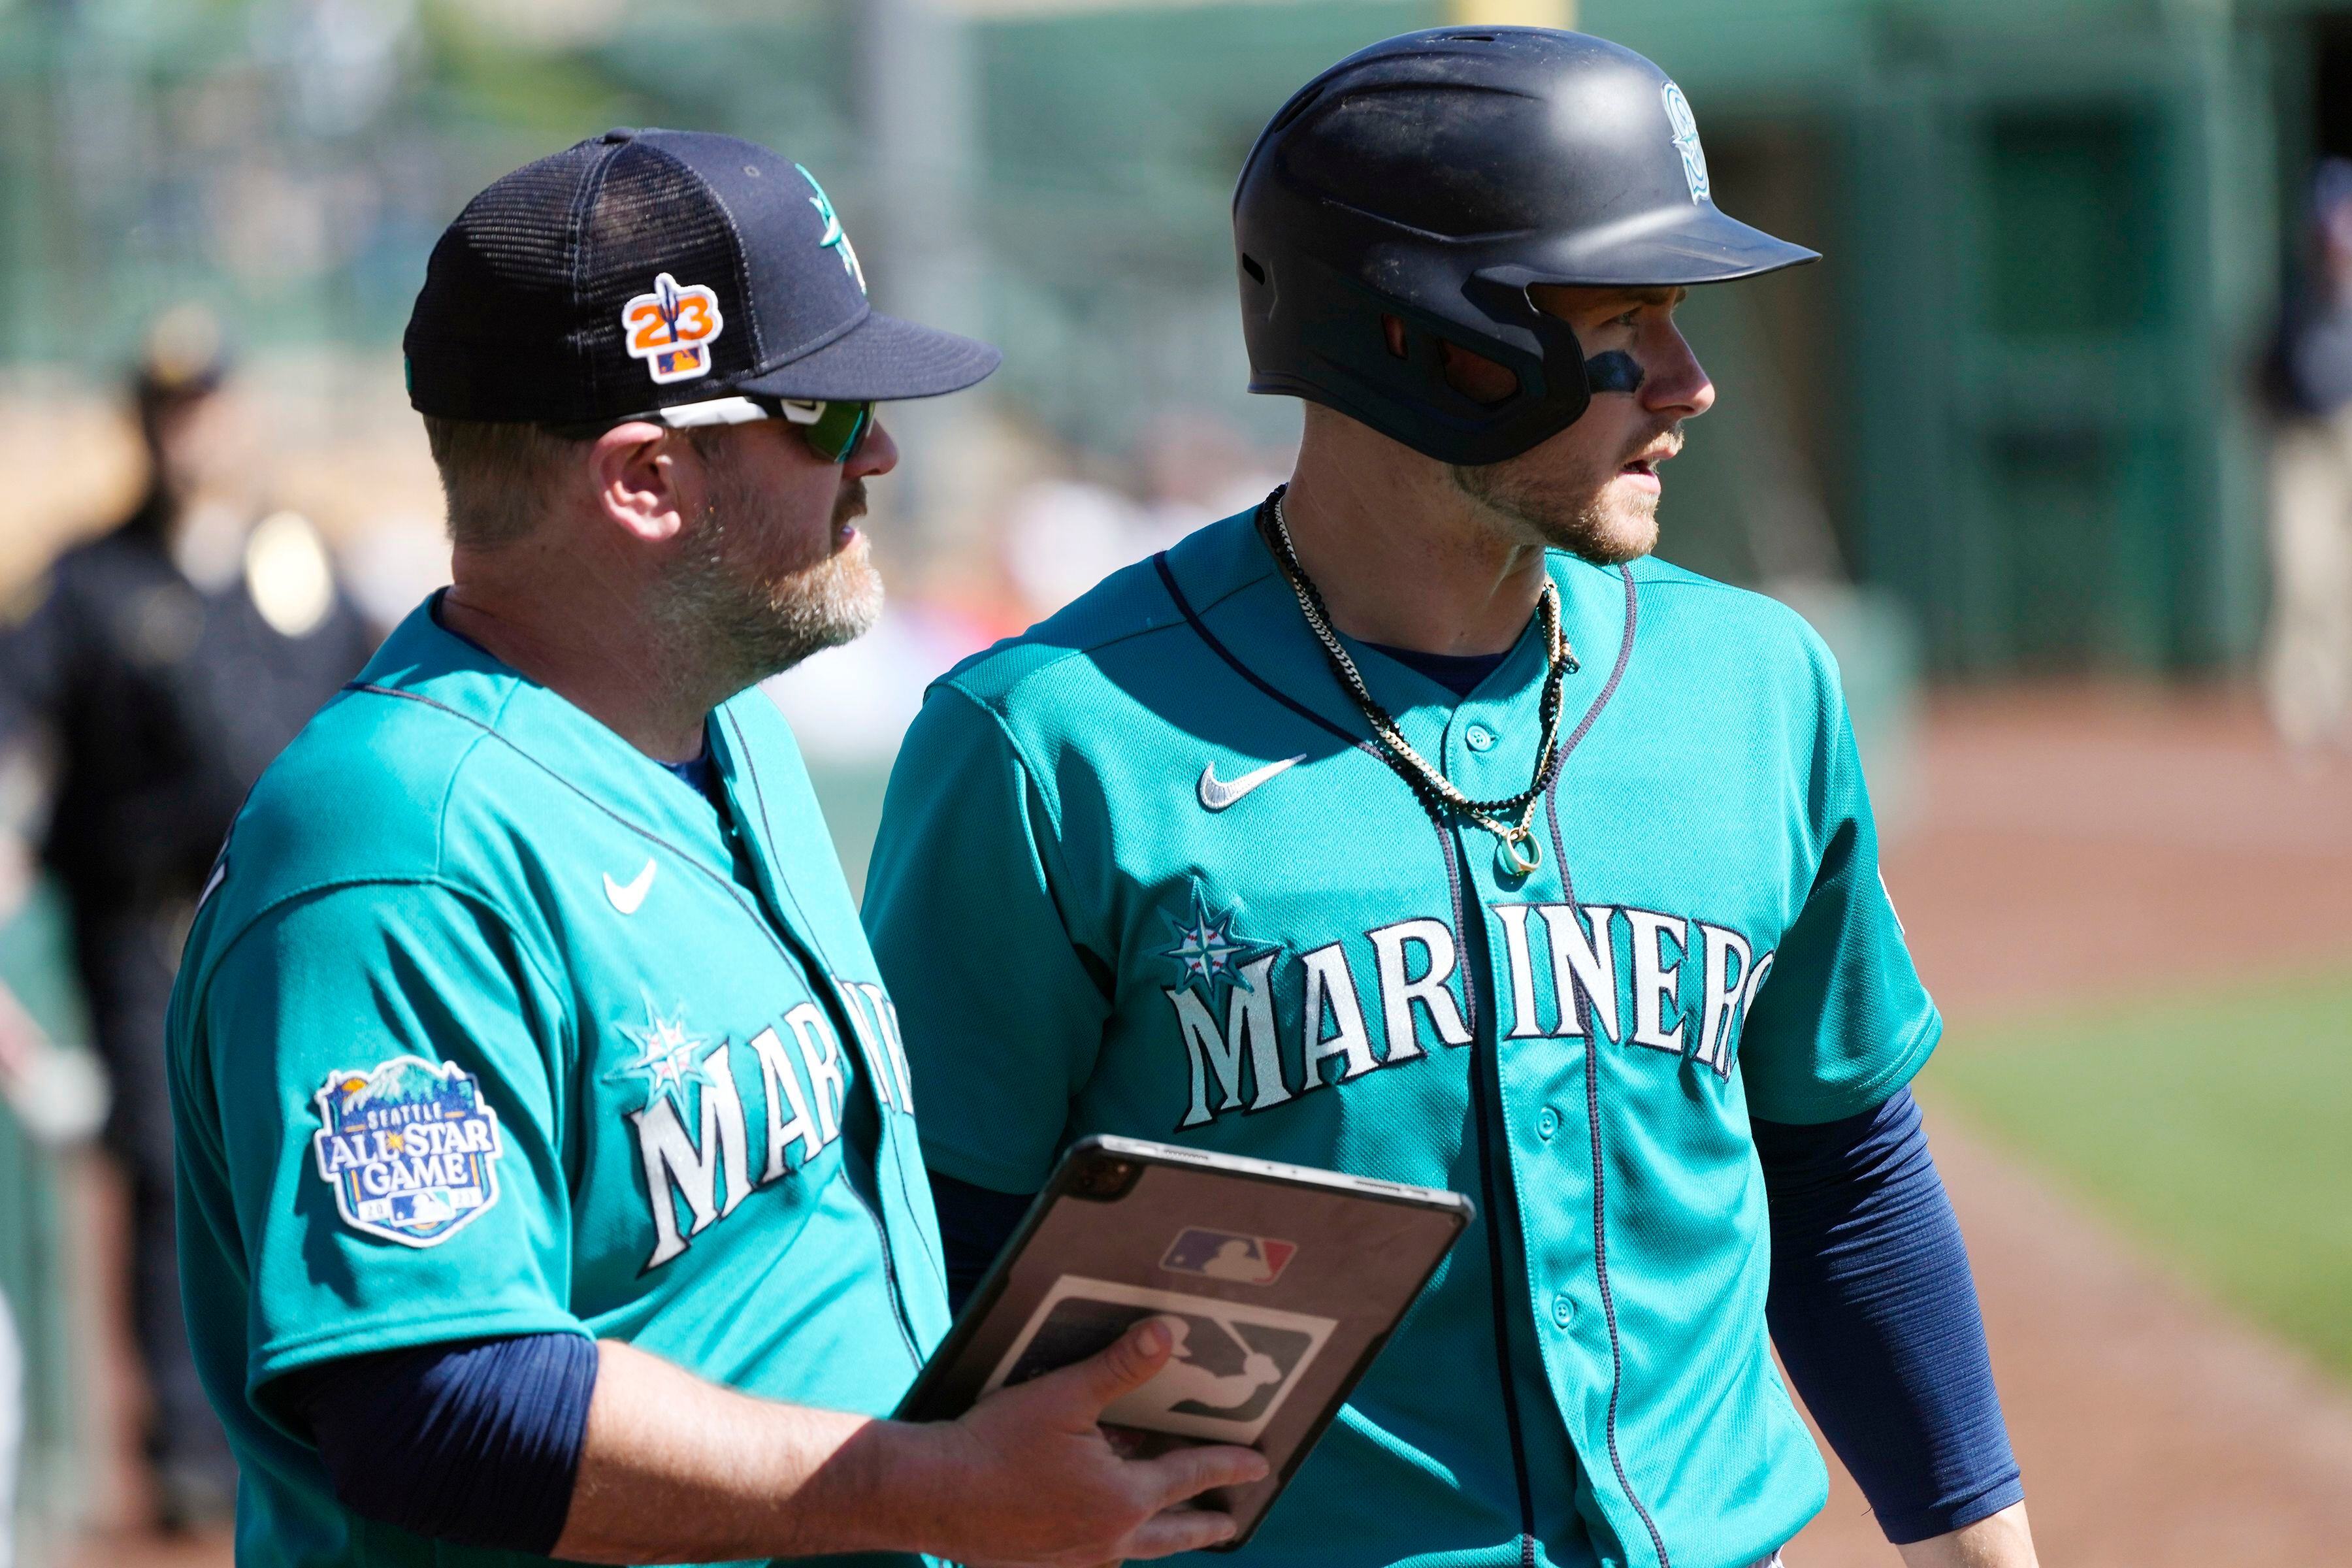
x,y
1184,607
1593,1089
787,943
1476,957
1470,935
889,1264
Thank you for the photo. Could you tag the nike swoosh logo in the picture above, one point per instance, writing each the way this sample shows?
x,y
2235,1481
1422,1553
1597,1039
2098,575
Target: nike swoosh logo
x,y
627,896
1217,795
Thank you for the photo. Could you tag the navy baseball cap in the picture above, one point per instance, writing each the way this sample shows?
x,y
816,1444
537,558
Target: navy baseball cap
x,y
644,271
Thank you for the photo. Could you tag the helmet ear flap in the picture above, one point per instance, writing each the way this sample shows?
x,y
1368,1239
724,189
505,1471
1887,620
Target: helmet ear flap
x,y
1453,375
1501,295
1330,326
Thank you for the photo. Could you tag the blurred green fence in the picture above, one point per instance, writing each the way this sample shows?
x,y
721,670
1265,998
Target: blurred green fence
x,y
2015,393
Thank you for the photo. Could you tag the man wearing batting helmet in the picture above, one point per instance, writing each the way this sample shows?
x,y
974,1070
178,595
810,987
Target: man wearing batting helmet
x,y
1420,824
533,1078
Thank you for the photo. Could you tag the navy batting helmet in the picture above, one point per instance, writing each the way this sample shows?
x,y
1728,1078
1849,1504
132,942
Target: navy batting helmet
x,y
1434,178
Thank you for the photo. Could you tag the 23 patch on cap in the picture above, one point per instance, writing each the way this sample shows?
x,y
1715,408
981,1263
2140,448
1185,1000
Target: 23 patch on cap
x,y
672,329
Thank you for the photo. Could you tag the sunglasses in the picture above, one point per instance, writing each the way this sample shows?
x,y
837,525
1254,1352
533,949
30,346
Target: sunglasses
x,y
833,430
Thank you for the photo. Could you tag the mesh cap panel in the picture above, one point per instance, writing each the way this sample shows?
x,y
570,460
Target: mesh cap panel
x,y
522,316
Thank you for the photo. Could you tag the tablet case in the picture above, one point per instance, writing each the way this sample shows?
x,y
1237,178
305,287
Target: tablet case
x,y
1280,1283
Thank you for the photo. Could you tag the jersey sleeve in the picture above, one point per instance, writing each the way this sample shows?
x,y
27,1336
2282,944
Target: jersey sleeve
x,y
1841,1021
368,1117
964,907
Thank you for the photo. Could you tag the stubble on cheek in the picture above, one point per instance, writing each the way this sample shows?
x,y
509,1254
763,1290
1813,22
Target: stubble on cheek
x,y
1581,511
1572,504
755,609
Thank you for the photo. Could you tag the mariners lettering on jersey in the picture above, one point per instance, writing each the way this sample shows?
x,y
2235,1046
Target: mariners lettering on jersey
x,y
1673,966
1684,986
702,1147
1239,1056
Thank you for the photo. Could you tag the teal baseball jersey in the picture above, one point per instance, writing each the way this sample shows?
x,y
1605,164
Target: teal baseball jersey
x,y
1140,872
488,1025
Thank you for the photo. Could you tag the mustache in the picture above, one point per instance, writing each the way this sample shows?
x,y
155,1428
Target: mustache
x,y
1672,432
850,504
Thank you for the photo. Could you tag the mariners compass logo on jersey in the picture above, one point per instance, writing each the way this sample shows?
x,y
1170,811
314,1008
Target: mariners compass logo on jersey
x,y
1208,952
410,1148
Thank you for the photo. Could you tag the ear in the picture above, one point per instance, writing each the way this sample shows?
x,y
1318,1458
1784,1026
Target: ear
x,y
643,474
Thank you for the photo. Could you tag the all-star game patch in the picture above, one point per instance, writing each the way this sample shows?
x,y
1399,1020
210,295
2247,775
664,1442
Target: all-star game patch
x,y
410,1148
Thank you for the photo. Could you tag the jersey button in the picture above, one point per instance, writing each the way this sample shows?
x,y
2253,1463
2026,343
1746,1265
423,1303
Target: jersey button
x,y
1546,1124
1478,738
1563,1309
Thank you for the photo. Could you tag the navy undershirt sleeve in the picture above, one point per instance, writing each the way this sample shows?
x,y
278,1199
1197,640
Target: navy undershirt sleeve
x,y
974,1224
1874,1313
475,1442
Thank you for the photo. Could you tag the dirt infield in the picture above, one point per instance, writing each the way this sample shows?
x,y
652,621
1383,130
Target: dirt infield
x,y
2080,843
2074,844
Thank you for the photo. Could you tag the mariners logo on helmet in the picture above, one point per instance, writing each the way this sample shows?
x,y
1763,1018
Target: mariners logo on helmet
x,y
1685,124
1425,186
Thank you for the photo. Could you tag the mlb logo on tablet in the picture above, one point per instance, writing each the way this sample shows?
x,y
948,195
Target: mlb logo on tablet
x,y
1223,1255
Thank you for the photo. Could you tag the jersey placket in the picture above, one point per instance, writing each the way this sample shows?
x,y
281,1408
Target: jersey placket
x,y
746,804
1485,745
1545,1083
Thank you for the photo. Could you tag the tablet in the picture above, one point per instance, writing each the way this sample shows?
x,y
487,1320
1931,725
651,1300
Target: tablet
x,y
1280,1283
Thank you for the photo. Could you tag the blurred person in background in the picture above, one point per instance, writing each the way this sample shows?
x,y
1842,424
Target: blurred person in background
x,y
151,675
2307,665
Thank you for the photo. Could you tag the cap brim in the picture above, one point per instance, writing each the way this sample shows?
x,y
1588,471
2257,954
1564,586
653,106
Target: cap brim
x,y
880,360
1698,244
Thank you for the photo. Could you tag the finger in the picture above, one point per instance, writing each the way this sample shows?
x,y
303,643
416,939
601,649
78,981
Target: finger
x,y
1125,1366
1185,1530
1188,1472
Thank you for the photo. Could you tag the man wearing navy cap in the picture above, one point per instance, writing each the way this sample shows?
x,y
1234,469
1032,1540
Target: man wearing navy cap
x,y
550,1180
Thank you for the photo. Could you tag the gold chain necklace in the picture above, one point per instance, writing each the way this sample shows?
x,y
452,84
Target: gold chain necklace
x,y
1434,789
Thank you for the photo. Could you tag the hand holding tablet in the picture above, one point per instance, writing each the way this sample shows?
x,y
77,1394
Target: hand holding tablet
x,y
1274,1287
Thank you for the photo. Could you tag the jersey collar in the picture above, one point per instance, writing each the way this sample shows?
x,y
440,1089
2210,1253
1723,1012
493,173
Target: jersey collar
x,y
1231,579
424,658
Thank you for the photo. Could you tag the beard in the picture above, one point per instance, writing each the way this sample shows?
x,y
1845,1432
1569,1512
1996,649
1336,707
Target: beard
x,y
734,610
1576,507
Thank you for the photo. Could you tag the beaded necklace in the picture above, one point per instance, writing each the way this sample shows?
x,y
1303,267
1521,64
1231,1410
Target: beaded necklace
x,y
1437,792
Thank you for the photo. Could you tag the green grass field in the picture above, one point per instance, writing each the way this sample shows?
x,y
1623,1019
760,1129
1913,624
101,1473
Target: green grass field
x,y
2214,1126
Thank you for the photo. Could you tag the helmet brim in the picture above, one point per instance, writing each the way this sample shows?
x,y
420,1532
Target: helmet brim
x,y
1699,244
